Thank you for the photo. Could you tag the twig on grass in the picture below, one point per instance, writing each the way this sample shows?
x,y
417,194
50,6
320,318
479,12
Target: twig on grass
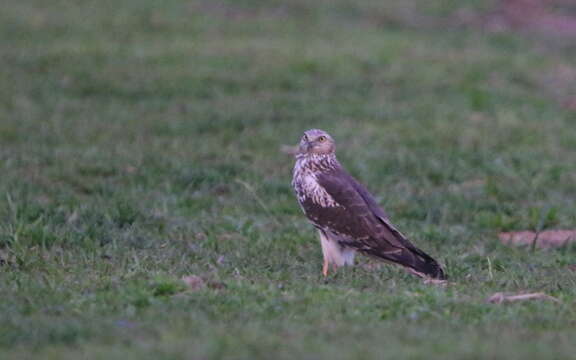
x,y
500,298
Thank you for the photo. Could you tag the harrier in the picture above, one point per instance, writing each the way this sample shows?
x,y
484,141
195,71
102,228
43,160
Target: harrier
x,y
346,215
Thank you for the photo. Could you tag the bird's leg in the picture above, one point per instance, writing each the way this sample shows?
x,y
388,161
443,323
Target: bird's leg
x,y
325,243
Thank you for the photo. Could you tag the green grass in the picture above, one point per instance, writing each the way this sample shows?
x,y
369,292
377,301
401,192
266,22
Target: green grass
x,y
139,144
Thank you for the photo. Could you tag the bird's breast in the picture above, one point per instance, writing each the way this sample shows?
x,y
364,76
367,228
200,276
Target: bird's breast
x,y
306,186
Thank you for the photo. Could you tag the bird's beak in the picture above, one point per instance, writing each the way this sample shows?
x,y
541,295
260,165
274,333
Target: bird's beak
x,y
305,146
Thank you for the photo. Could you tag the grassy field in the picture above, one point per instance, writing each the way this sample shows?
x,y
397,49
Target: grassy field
x,y
139,144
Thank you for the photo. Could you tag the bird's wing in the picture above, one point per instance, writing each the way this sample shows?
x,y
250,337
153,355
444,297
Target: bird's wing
x,y
360,223
354,217
377,211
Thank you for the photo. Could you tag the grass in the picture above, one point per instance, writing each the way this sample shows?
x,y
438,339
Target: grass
x,y
139,144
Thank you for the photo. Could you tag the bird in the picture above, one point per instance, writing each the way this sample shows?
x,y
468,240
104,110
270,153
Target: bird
x,y
347,217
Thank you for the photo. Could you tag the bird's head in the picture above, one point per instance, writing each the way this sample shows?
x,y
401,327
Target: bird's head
x,y
316,141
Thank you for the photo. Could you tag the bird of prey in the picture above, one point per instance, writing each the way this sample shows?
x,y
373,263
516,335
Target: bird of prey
x,y
346,215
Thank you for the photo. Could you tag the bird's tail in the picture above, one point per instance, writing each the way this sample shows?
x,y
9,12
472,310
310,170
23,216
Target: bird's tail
x,y
414,260
427,266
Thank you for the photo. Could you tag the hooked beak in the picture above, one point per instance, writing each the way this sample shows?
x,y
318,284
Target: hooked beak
x,y
305,146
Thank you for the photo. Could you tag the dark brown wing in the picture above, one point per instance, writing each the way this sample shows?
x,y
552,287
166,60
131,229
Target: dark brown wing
x,y
363,225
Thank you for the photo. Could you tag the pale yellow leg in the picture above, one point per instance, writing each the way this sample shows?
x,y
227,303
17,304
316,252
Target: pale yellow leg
x,y
325,268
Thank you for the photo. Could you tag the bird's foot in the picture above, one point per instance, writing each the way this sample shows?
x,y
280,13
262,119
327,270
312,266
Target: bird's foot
x,y
325,269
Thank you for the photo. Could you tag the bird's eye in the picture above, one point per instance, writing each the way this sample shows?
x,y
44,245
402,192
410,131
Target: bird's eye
x,y
322,138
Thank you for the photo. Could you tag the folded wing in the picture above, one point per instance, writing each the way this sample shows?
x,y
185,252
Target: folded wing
x,y
359,222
